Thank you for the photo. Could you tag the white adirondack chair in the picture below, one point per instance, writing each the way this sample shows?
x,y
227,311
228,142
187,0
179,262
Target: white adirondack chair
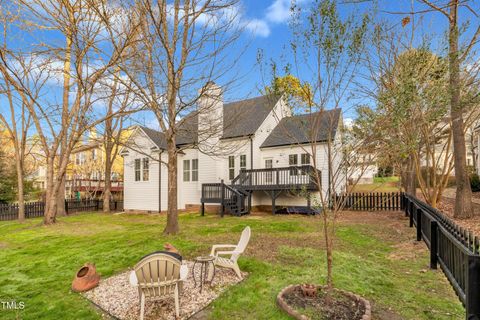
x,y
158,275
228,258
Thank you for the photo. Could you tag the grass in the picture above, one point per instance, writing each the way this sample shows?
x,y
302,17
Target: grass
x,y
380,184
38,262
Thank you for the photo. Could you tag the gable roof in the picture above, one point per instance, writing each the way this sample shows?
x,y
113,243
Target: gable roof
x,y
157,137
243,118
299,129
240,118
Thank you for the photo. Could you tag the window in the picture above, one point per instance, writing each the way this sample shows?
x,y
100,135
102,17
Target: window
x,y
137,169
243,162
231,167
145,169
305,161
94,154
186,170
80,158
195,170
293,162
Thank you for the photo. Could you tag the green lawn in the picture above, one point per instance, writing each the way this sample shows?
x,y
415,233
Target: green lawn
x,y
380,184
375,257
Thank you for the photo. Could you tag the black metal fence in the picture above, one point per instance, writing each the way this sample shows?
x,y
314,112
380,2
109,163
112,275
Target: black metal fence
x,y
452,247
37,209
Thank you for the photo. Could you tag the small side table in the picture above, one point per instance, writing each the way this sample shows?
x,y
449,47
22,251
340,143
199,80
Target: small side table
x,y
206,262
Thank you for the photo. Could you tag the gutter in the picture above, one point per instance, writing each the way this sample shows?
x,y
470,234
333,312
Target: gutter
x,y
251,152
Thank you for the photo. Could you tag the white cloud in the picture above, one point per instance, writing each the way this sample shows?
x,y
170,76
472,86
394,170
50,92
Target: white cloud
x,y
258,27
278,11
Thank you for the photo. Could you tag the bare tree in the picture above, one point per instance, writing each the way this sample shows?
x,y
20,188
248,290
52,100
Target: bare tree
x,y
90,51
15,116
182,48
456,56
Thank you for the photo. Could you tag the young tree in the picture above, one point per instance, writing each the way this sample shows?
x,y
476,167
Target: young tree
x,y
457,56
326,49
181,47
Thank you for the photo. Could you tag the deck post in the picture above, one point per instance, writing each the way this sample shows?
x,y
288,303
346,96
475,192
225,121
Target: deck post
x,y
222,211
273,201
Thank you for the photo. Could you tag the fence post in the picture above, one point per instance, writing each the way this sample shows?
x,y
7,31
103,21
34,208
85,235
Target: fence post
x,y
66,206
412,207
433,244
98,204
472,290
419,224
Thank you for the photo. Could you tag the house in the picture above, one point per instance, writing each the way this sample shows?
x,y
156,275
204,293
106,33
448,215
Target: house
x,y
257,157
85,176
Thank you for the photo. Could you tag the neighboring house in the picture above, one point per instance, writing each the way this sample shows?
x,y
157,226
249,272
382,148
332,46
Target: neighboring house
x,y
86,170
265,160
362,170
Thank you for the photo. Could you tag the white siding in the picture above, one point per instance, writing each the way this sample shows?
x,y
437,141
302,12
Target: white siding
x,y
189,192
141,195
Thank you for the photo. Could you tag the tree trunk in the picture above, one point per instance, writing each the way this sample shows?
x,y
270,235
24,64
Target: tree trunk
x,y
172,212
107,189
20,191
410,176
50,197
60,196
463,198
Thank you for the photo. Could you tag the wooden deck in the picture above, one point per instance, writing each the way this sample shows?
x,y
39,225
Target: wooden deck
x,y
273,181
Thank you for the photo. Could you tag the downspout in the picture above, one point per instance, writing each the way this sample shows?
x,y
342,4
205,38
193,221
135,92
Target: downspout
x,y
251,152
160,181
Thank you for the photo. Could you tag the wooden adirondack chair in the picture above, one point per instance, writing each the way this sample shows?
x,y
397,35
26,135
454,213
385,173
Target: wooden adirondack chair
x,y
158,275
232,255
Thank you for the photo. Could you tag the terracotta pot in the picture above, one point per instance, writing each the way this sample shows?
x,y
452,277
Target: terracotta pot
x,y
309,290
86,278
296,315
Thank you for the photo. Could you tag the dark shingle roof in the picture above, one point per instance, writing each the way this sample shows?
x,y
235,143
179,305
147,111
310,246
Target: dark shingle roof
x,y
305,128
243,118
157,137
240,118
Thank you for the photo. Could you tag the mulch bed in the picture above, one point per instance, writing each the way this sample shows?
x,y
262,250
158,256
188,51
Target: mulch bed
x,y
340,307
447,206
119,300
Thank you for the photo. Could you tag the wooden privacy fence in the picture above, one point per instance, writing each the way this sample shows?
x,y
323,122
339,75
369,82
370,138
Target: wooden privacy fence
x,y
455,249
37,209
372,201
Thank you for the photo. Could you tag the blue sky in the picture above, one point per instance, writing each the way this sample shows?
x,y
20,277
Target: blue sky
x,y
272,34
267,30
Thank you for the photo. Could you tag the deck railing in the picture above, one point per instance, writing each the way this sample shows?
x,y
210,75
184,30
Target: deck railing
x,y
293,177
229,197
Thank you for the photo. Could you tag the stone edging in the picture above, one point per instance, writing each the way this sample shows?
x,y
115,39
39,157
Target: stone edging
x,y
295,314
